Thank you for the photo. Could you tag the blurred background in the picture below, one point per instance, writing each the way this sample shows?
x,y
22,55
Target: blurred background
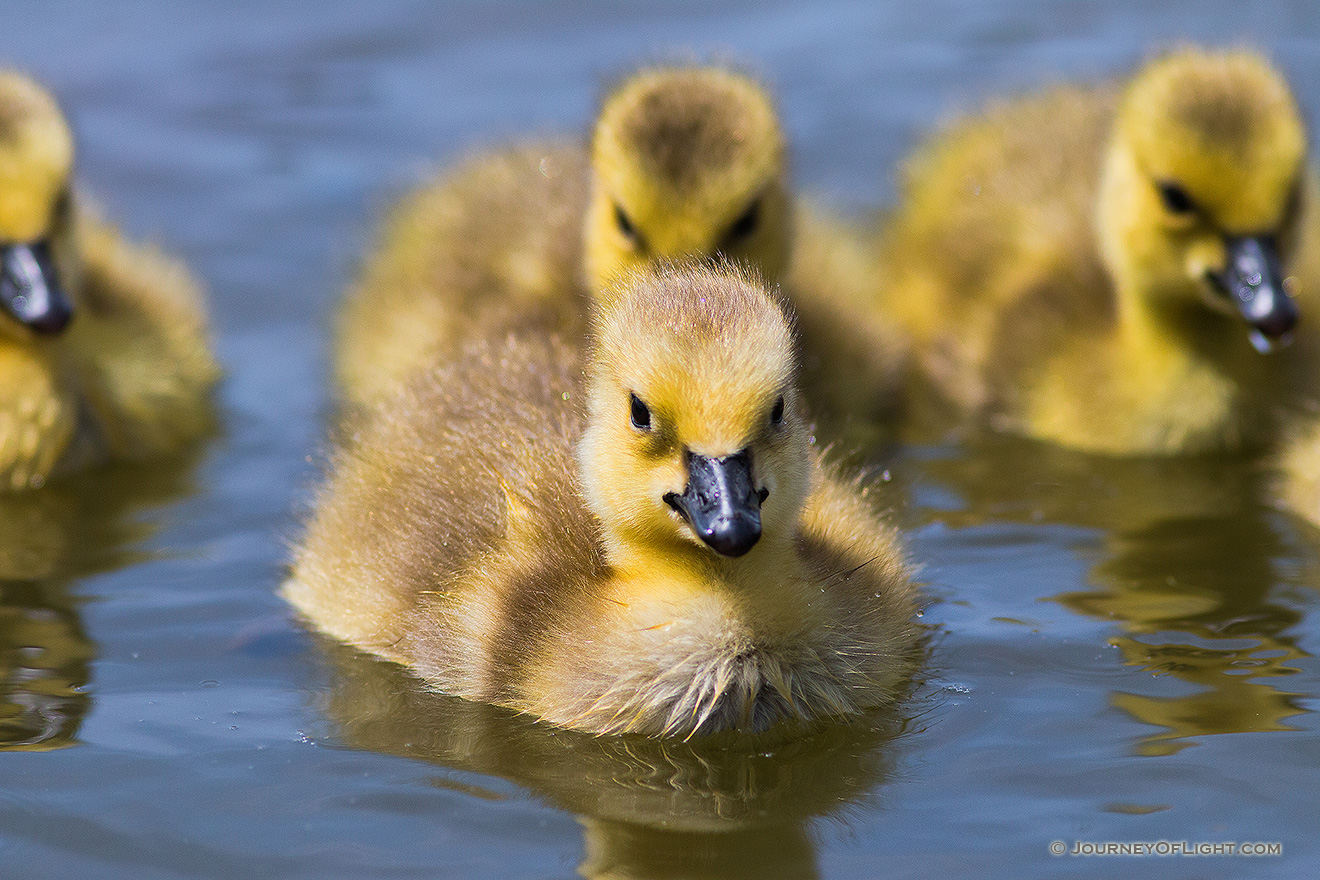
x,y
1117,652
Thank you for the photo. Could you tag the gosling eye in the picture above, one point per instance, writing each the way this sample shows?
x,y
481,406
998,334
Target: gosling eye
x,y
745,225
1175,198
640,415
777,412
625,225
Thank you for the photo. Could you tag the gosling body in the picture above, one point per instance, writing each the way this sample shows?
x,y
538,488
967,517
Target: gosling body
x,y
683,163
492,247
1067,264
103,345
511,533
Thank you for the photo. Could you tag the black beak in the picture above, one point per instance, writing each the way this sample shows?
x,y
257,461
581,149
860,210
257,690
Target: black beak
x,y
1254,283
720,502
29,289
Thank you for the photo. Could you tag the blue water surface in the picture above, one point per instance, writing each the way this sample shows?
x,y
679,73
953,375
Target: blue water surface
x,y
1118,652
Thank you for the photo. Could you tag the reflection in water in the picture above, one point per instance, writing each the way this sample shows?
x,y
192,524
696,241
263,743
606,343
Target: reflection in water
x,y
1228,704
44,666
725,806
625,851
1186,565
49,537
1010,479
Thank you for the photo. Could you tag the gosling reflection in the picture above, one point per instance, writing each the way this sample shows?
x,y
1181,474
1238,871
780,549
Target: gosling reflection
x,y
1186,566
626,851
48,538
1194,596
1009,479
724,806
1229,703
45,663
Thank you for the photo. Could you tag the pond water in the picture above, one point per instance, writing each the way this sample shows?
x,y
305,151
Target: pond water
x,y
1118,652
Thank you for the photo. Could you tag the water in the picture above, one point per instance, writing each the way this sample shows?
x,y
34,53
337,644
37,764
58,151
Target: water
x,y
1118,652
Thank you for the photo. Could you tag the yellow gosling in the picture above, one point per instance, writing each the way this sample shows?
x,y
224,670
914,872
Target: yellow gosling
x,y
1104,267
683,163
103,344
687,162
653,550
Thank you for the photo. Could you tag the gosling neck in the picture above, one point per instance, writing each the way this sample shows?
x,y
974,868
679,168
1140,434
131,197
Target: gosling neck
x,y
770,566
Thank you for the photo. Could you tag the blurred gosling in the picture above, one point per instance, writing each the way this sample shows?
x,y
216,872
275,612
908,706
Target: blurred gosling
x,y
1104,267
684,162
103,344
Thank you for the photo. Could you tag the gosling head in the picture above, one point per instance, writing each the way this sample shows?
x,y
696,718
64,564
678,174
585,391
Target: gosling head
x,y
36,158
687,163
1201,194
695,437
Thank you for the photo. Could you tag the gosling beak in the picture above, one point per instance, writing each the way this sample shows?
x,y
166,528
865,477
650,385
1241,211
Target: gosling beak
x,y
1253,282
30,290
720,503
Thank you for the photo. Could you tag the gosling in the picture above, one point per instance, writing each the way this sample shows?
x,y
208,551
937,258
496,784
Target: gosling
x,y
1104,267
683,163
103,345
655,550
